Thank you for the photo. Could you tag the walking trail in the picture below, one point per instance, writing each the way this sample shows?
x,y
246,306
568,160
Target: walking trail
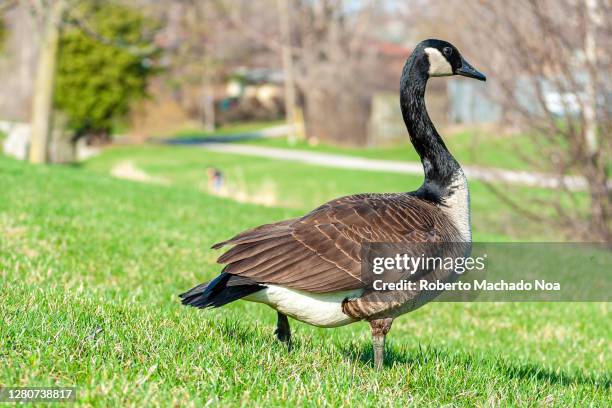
x,y
227,144
487,174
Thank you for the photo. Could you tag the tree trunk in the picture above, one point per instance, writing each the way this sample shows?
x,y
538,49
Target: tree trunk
x,y
42,108
596,175
208,102
289,82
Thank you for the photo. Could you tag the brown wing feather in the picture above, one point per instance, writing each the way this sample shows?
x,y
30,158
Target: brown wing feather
x,y
321,252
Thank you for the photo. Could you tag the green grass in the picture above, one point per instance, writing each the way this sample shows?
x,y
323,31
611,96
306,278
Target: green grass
x,y
90,267
304,187
228,129
469,147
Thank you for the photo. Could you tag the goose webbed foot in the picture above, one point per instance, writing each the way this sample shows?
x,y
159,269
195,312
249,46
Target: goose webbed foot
x,y
380,328
283,331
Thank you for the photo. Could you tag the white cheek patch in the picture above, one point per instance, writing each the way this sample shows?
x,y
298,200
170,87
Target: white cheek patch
x,y
438,65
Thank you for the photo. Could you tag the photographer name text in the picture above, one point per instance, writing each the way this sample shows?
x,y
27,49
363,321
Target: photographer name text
x,y
483,285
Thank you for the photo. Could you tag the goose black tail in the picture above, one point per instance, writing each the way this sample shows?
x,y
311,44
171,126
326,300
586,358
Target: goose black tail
x,y
222,290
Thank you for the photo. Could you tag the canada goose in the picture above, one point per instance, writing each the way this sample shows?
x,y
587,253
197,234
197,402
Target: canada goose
x,y
309,267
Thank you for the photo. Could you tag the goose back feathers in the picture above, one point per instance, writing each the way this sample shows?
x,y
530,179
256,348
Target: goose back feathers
x,y
321,251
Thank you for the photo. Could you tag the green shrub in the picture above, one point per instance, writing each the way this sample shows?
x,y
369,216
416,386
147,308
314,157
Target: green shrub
x,y
104,66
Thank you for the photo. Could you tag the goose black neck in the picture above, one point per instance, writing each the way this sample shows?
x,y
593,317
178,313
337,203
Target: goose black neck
x,y
438,164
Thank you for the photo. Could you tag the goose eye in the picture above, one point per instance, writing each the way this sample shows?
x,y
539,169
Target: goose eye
x,y
447,51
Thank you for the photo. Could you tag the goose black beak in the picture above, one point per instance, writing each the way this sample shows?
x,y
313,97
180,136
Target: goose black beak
x,y
469,71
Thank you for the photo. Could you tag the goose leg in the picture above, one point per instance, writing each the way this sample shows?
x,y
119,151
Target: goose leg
x,y
380,328
283,331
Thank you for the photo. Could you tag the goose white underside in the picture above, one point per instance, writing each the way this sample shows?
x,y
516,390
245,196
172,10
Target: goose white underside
x,y
317,309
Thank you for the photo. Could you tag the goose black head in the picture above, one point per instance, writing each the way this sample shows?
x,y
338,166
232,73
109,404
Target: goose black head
x,y
444,59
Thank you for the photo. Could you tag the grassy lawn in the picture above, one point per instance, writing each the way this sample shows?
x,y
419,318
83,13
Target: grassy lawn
x,y
469,147
90,267
2,137
229,129
304,187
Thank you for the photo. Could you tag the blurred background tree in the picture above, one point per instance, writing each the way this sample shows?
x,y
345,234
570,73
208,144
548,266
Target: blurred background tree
x,y
547,96
335,49
104,65
550,69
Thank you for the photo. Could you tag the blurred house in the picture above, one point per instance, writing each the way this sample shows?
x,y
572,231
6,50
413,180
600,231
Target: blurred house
x,y
252,93
469,104
450,101
474,103
385,124
245,94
